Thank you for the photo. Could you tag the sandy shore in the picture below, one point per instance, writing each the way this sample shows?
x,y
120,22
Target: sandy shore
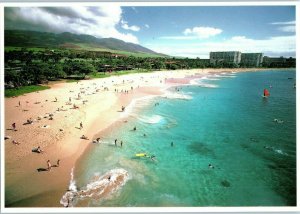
x,y
56,129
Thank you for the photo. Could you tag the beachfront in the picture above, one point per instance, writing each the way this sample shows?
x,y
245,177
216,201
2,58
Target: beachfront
x,y
52,120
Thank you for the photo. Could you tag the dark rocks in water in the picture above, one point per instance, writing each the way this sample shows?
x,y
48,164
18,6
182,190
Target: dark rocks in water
x,y
270,166
225,183
200,148
244,146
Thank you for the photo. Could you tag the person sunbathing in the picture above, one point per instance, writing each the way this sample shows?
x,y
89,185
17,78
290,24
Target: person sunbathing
x,y
15,142
84,137
29,121
75,106
38,150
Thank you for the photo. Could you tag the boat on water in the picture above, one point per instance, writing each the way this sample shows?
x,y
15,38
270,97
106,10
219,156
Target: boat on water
x,y
266,93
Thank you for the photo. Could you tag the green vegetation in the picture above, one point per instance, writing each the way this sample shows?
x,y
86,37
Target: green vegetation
x,y
39,40
33,66
77,57
24,90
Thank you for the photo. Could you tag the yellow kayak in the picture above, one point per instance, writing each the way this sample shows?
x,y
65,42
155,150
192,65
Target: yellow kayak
x,y
141,155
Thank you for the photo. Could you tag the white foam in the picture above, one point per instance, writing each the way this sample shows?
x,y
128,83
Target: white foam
x,y
72,186
224,75
151,119
138,102
99,187
174,95
207,85
279,151
195,81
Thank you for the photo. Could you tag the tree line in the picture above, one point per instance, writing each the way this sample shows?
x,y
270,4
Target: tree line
x,y
35,66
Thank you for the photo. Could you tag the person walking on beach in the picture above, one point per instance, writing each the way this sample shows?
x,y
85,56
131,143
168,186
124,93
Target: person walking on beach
x,y
14,126
81,126
48,165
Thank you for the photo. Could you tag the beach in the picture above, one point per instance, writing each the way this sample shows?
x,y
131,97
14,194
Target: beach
x,y
50,120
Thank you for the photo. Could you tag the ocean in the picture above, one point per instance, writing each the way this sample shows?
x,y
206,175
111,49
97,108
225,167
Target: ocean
x,y
215,142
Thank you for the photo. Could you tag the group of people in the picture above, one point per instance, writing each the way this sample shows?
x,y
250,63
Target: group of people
x,y
121,142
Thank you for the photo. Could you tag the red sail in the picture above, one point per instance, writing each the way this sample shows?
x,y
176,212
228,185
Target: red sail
x,y
266,93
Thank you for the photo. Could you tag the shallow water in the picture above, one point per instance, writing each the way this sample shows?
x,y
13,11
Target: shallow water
x,y
220,120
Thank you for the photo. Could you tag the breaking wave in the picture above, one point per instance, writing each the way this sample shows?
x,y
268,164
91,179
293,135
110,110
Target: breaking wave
x,y
151,119
98,188
174,95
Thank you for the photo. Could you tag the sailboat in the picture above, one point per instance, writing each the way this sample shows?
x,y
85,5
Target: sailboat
x,y
266,93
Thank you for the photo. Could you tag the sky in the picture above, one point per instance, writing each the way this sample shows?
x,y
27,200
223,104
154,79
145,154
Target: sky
x,y
186,31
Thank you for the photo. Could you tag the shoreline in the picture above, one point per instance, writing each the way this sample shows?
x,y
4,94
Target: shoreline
x,y
21,163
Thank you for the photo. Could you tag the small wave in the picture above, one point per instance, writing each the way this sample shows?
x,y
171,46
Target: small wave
x,y
151,119
173,95
194,82
139,102
230,76
207,85
279,151
200,83
99,187
225,75
72,186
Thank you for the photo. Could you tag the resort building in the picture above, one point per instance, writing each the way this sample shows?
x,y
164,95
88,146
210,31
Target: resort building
x,y
251,59
233,57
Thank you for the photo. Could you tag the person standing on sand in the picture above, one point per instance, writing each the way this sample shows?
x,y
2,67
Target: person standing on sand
x,y
14,126
116,142
48,165
81,126
19,103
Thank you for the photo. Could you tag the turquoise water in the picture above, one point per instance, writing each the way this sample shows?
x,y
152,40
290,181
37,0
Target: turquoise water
x,y
223,121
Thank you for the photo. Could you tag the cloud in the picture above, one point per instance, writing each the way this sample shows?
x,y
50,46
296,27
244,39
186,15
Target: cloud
x,y
97,21
147,26
284,23
290,29
202,32
127,27
272,46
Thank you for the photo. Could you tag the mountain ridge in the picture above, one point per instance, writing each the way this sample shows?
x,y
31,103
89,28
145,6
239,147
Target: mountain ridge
x,y
22,38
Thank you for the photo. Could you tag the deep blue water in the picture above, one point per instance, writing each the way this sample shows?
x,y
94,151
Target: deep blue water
x,y
222,121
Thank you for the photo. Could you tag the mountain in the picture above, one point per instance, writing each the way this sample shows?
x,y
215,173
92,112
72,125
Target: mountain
x,y
20,38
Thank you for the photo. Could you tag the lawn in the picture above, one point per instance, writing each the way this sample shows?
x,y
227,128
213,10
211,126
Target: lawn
x,y
24,90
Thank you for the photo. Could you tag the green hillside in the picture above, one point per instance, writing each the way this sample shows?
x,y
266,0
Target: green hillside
x,y
34,39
